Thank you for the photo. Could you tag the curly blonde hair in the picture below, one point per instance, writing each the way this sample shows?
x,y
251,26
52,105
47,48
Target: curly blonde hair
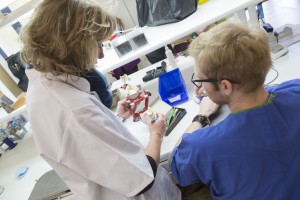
x,y
62,36
235,52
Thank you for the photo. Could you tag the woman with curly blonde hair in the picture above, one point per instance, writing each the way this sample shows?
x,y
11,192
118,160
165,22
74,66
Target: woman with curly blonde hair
x,y
85,143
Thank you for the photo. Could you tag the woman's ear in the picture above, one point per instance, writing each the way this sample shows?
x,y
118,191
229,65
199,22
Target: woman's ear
x,y
226,87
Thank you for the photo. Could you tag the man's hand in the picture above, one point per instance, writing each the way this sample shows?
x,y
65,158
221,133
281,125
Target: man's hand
x,y
198,91
207,107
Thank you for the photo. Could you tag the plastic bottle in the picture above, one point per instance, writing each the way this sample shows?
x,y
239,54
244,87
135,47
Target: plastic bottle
x,y
170,58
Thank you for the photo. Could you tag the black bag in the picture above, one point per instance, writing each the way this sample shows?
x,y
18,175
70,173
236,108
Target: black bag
x,y
158,12
18,70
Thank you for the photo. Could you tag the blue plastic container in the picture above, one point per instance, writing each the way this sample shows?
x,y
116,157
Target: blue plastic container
x,y
171,87
9,143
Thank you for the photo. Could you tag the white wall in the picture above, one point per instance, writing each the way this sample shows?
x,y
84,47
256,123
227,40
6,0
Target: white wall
x,y
129,18
4,3
9,38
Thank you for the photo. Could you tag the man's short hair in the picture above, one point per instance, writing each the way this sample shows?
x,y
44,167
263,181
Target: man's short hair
x,y
234,52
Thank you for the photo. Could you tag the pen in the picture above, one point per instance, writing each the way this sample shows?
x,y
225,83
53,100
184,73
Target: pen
x,y
153,119
198,98
172,116
176,115
201,96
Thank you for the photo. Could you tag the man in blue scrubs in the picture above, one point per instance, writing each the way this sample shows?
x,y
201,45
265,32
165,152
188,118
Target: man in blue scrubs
x,y
255,152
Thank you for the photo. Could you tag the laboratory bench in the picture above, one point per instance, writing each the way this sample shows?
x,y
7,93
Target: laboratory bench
x,y
286,68
213,10
25,154
159,36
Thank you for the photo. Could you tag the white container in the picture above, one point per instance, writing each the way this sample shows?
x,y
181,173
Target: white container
x,y
171,58
137,38
121,46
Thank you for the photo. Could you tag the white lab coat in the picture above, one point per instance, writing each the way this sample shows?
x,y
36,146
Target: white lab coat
x,y
87,145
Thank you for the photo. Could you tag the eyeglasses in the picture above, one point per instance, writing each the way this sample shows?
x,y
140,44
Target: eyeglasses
x,y
200,81
209,80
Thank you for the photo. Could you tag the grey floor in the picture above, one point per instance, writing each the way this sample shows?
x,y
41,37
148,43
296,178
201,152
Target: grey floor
x,y
195,192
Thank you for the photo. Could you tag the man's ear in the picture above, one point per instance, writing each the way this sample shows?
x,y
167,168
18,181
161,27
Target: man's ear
x,y
226,87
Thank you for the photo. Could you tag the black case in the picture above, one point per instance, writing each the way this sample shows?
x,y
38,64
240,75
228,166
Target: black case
x,y
158,12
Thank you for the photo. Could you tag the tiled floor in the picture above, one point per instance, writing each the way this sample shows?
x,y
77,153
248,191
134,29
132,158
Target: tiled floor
x,y
277,13
23,155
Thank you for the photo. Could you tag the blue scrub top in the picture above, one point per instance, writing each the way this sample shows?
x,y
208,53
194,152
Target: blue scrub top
x,y
99,84
253,154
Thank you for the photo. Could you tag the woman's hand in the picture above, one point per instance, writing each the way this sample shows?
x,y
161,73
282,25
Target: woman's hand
x,y
123,109
157,126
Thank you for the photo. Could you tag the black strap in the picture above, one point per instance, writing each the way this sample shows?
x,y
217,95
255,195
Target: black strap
x,y
202,119
154,169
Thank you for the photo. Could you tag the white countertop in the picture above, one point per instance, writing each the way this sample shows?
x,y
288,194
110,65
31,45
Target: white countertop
x,y
207,13
287,67
25,154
